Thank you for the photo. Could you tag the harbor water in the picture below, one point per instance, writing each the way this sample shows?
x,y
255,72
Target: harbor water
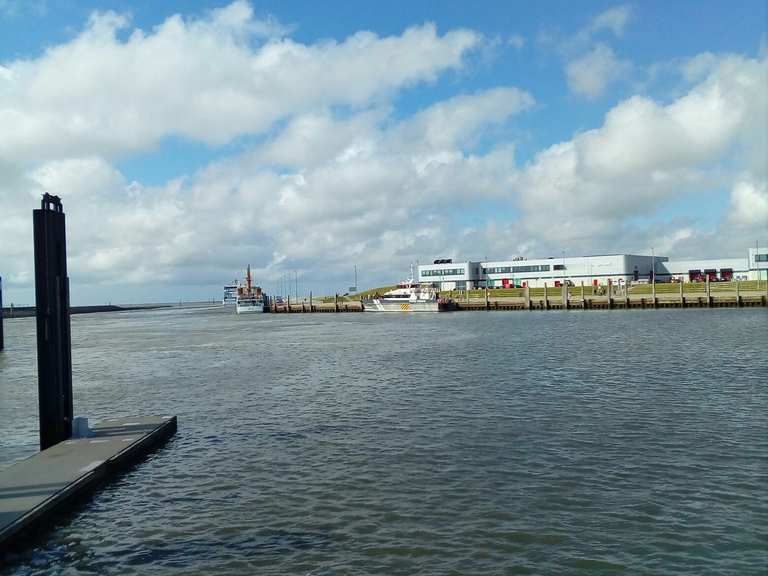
x,y
458,443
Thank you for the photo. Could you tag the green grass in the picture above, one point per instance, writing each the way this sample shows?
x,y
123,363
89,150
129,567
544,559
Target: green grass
x,y
358,295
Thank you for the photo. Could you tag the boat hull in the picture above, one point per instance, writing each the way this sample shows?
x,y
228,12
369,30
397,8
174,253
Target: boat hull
x,y
249,308
377,305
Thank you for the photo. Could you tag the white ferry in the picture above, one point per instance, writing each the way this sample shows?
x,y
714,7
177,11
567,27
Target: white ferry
x,y
409,296
230,295
249,298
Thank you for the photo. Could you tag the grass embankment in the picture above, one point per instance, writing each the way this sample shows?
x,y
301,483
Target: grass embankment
x,y
358,295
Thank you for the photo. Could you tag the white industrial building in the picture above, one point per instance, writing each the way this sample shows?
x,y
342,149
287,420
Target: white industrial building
x,y
753,267
616,269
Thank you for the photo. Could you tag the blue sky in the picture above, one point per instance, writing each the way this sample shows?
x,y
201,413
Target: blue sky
x,y
311,137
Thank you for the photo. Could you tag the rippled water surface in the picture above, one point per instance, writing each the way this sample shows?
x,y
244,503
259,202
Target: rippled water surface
x,y
459,443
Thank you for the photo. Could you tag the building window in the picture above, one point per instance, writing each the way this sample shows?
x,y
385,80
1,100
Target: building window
x,y
445,272
761,257
517,269
559,267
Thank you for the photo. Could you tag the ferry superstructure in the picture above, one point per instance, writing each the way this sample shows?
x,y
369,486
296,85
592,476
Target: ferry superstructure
x,y
230,295
249,298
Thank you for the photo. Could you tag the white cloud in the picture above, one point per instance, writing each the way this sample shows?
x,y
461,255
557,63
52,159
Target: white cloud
x,y
591,66
613,19
517,41
103,95
646,153
76,177
449,124
590,74
358,187
328,190
749,203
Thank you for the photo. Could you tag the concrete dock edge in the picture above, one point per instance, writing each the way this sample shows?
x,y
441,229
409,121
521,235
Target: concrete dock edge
x,y
16,525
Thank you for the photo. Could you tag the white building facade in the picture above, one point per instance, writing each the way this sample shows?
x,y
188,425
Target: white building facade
x,y
758,263
617,269
449,275
753,267
591,270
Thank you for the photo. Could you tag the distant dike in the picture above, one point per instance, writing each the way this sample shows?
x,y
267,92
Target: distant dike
x,y
27,311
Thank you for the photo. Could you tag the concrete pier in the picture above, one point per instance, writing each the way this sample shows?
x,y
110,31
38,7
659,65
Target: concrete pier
x,y
34,488
576,299
737,299
335,306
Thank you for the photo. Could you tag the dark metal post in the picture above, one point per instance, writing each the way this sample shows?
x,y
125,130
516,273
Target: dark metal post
x,y
54,345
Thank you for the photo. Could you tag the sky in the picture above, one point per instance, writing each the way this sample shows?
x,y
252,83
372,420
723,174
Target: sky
x,y
188,140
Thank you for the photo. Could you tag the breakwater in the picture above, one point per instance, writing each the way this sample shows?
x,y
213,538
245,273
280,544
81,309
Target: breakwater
x,y
27,311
